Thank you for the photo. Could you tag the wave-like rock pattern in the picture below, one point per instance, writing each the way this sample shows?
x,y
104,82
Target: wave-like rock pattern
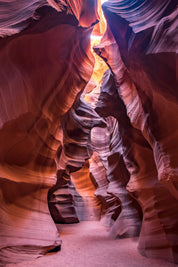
x,y
42,70
45,63
129,220
110,204
83,133
38,110
72,198
61,200
77,125
152,68
18,15
76,150
102,143
159,225
89,208
25,222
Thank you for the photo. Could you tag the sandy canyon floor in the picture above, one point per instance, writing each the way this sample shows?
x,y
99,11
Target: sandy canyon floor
x,y
87,244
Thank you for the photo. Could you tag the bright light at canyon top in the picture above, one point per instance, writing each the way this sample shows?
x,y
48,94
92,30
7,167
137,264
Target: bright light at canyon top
x,y
96,36
100,66
100,27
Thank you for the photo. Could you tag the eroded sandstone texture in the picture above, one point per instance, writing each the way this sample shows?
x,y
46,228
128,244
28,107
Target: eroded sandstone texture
x,y
105,160
42,70
142,96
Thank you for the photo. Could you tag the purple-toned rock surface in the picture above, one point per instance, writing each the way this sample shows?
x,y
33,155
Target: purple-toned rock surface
x,y
144,76
41,72
99,164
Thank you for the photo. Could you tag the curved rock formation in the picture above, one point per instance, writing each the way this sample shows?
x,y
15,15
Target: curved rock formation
x,y
76,150
89,207
141,52
77,124
42,70
158,231
145,77
25,222
61,200
129,219
48,132
17,15
110,204
152,71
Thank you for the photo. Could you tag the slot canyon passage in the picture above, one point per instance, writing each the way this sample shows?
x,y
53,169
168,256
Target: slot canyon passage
x,y
88,133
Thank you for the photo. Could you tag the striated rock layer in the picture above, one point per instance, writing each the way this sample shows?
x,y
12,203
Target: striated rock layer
x,y
48,132
25,222
61,200
129,220
42,70
89,208
143,184
144,101
84,134
151,100
76,150
110,204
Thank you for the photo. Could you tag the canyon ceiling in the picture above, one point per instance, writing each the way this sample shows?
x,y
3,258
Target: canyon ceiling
x,y
88,134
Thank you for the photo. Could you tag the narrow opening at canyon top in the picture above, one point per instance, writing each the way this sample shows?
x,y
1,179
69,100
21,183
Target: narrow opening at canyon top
x,y
87,203
93,87
88,148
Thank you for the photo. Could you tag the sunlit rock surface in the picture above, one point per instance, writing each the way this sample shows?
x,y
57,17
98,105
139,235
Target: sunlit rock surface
x,y
89,207
42,70
110,204
152,70
144,69
25,222
129,220
77,125
143,184
76,150
48,132
61,200
17,15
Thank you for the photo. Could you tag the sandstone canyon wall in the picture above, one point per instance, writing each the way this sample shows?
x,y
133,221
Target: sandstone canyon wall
x,y
141,53
43,68
113,159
